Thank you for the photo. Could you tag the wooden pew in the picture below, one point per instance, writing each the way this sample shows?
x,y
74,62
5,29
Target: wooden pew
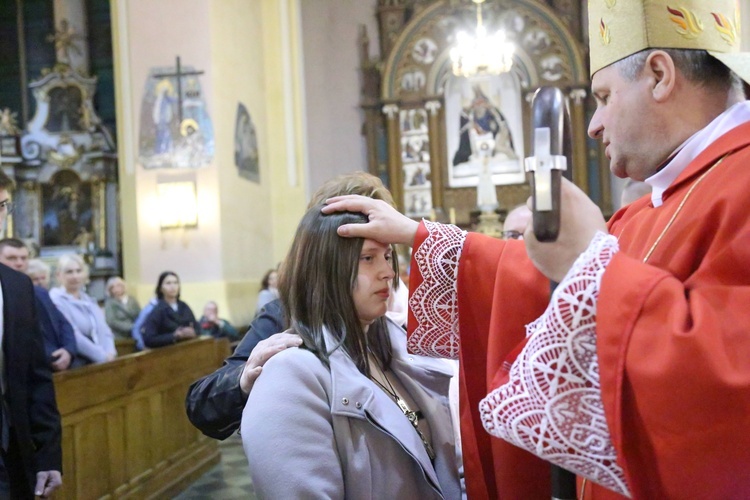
x,y
124,346
125,432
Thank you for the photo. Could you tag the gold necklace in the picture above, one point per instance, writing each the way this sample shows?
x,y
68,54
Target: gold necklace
x,y
411,415
679,208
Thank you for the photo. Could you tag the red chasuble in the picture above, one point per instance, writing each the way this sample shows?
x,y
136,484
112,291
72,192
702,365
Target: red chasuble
x,y
673,337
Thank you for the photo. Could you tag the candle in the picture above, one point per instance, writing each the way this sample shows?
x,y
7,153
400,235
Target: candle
x,y
433,215
452,213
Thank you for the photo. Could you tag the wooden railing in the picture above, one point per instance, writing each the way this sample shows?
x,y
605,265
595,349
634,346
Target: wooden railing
x,y
125,432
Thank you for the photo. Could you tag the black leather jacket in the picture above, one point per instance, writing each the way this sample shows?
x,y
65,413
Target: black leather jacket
x,y
214,403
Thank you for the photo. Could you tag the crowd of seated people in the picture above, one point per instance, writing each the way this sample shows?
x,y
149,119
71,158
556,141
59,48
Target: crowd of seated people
x,y
78,332
59,340
167,320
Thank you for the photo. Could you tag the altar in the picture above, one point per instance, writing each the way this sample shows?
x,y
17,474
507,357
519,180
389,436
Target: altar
x,y
64,164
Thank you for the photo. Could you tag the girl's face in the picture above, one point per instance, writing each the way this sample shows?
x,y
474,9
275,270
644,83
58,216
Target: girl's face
x,y
170,287
374,279
72,277
273,280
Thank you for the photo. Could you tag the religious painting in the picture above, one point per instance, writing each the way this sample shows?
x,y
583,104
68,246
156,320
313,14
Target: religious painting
x,y
175,128
67,216
246,145
65,109
486,112
415,158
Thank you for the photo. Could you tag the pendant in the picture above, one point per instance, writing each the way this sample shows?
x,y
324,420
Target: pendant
x,y
414,419
411,415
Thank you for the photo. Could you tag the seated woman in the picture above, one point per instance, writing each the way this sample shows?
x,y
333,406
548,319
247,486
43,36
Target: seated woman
x,y
171,319
120,309
95,341
268,290
350,413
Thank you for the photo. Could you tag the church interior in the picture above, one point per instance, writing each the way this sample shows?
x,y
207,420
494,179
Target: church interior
x,y
189,135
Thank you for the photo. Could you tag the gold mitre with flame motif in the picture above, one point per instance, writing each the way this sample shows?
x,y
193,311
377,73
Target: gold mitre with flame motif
x,y
619,28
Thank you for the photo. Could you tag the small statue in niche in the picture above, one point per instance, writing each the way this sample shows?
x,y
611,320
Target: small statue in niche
x,y
84,240
65,40
8,122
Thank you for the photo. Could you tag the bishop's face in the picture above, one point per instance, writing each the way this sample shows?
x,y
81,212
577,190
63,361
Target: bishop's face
x,y
627,122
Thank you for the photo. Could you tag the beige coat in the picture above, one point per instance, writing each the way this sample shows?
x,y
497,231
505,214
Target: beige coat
x,y
313,433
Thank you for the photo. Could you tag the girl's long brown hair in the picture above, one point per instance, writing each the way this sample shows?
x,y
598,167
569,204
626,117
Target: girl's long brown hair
x,y
316,283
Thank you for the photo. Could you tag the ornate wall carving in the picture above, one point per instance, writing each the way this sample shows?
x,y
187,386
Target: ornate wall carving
x,y
416,38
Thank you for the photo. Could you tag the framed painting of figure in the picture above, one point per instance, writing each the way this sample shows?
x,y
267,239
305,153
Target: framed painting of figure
x,y
480,111
67,216
246,145
65,109
176,130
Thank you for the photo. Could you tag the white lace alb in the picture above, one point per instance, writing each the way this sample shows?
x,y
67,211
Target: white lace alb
x,y
551,404
435,301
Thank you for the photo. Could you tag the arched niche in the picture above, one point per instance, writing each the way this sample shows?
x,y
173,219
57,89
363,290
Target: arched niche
x,y
417,81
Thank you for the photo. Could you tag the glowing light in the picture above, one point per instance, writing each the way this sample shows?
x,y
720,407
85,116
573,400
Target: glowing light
x,y
482,53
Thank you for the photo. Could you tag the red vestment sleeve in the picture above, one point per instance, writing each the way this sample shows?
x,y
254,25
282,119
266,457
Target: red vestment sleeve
x,y
675,373
672,334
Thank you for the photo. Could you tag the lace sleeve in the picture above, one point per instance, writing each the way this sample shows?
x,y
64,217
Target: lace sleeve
x,y
551,404
434,303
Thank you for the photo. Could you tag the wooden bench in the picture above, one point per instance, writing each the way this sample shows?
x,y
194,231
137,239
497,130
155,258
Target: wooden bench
x,y
125,346
125,432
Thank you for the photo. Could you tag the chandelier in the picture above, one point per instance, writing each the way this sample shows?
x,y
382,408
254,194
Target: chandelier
x,y
481,54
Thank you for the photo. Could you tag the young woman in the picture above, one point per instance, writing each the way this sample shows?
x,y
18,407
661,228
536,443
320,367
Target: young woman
x,y
171,320
94,339
268,289
350,414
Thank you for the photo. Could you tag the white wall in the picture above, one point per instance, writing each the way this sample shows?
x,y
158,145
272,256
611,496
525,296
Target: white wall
x,y
745,24
330,30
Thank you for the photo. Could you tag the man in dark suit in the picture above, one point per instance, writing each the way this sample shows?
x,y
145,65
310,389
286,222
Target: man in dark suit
x,y
59,338
30,430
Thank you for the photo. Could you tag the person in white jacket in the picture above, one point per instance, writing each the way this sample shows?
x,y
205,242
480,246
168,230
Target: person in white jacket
x,y
96,343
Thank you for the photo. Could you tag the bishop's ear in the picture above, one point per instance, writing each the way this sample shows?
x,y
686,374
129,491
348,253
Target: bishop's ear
x,y
662,69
